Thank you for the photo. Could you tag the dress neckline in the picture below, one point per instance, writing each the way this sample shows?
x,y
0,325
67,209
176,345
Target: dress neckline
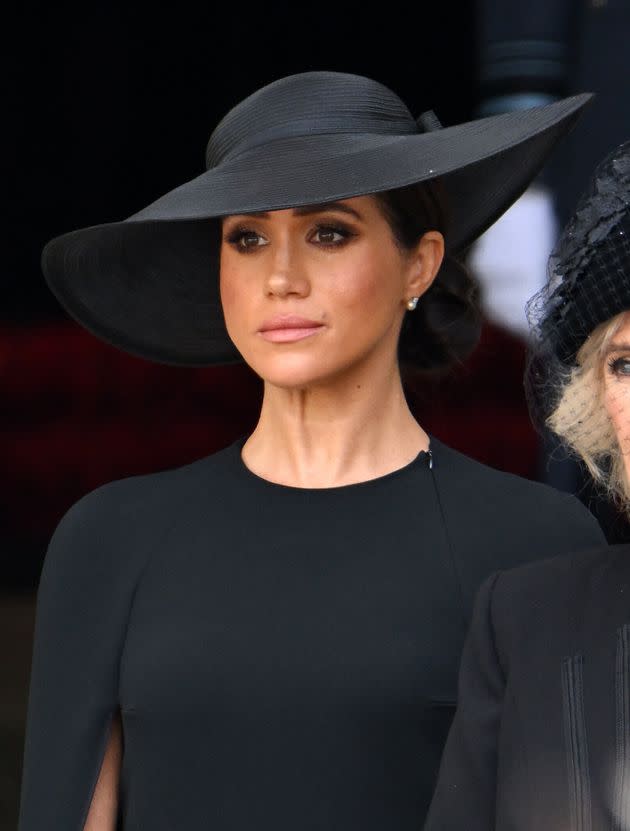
x,y
424,459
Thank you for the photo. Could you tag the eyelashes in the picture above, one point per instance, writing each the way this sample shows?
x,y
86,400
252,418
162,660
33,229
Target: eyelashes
x,y
247,240
620,367
236,236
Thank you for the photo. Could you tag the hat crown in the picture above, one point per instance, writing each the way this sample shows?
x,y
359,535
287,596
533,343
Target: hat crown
x,y
601,208
309,103
589,280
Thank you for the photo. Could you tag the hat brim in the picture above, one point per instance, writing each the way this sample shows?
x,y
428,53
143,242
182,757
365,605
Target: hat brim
x,y
149,284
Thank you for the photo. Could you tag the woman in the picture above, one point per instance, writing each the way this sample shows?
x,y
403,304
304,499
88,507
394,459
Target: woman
x,y
269,636
541,738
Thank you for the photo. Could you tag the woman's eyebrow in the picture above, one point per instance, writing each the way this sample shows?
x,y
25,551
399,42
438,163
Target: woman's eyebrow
x,y
306,210
617,347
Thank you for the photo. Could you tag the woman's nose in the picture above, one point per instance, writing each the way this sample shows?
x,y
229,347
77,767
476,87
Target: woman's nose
x,y
287,273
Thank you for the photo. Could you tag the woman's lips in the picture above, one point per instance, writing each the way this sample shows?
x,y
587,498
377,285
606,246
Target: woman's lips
x,y
287,328
287,335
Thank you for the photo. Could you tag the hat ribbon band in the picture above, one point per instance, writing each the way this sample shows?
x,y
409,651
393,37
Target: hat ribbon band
x,y
227,151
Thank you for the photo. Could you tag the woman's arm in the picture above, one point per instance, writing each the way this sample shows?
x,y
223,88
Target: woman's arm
x,y
83,604
104,806
465,796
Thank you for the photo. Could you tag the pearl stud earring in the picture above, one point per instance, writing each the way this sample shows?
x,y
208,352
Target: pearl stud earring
x,y
412,303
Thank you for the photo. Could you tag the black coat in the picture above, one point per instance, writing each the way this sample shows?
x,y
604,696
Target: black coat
x,y
541,738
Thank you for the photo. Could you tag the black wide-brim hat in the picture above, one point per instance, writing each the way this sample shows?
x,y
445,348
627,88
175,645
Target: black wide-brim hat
x,y
589,268
150,283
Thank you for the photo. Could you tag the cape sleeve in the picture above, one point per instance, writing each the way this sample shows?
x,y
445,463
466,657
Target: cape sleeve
x,y
83,603
465,795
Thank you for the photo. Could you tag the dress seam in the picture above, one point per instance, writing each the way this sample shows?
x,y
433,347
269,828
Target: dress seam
x,y
576,742
621,808
449,544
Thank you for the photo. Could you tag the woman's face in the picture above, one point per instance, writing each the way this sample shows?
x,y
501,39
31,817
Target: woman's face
x,y
309,293
617,387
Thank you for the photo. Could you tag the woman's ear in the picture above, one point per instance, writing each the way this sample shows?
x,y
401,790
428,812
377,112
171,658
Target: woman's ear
x,y
424,263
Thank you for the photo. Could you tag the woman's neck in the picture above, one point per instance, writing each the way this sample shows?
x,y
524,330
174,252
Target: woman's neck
x,y
334,433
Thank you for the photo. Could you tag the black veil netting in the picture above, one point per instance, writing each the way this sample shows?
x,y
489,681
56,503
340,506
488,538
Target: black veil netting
x,y
588,283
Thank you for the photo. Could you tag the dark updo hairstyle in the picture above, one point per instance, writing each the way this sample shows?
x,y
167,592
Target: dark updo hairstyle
x,y
445,326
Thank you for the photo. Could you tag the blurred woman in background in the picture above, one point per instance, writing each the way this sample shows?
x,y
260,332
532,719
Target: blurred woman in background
x,y
541,738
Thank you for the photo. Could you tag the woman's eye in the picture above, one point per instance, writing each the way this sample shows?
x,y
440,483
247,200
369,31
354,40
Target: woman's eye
x,y
620,367
246,240
326,236
331,235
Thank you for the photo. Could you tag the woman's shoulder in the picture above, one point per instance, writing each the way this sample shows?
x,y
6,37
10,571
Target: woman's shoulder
x,y
117,524
498,521
145,491
464,470
596,566
507,497
550,593
558,605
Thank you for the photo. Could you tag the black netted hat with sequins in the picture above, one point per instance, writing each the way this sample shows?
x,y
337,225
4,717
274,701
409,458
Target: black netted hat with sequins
x,y
588,283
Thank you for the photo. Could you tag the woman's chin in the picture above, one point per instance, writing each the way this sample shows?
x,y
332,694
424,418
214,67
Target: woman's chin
x,y
295,371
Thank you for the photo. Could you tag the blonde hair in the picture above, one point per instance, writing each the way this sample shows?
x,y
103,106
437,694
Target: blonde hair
x,y
581,419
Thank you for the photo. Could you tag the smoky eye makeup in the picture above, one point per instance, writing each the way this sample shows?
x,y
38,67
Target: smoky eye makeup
x,y
619,366
328,230
325,233
243,237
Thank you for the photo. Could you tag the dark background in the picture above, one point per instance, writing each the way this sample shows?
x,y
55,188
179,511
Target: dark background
x,y
112,106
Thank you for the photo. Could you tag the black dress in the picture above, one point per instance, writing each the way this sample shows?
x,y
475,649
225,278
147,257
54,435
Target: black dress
x,y
282,657
541,739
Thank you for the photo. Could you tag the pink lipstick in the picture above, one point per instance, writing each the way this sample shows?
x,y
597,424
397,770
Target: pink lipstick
x,y
288,328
